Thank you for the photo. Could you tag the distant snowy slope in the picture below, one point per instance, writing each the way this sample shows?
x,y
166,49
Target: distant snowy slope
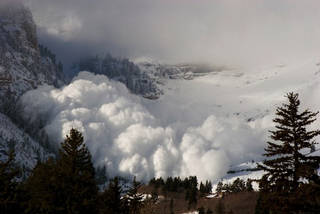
x,y
28,152
245,94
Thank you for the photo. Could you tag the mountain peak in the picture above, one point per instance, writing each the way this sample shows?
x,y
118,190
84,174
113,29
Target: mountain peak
x,y
22,66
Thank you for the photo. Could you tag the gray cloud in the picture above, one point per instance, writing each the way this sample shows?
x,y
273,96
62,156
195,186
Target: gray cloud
x,y
225,32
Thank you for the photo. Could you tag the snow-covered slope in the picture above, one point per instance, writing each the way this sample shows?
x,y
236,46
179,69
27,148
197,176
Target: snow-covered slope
x,y
21,65
248,96
244,94
160,73
27,151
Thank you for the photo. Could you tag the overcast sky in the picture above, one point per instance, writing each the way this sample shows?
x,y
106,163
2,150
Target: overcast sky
x,y
231,32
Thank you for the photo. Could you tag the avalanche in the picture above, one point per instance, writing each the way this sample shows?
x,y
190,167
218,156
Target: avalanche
x,y
213,121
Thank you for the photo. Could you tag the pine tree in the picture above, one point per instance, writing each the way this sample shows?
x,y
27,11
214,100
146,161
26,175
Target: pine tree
x,y
191,190
134,198
287,164
205,188
249,186
43,189
8,185
77,174
202,189
219,187
75,155
66,185
111,200
238,185
208,187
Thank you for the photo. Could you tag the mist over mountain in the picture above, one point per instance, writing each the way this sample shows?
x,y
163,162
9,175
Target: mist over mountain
x,y
24,64
230,33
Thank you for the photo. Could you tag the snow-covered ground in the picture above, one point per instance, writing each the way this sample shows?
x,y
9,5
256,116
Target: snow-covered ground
x,y
192,212
247,94
27,151
243,175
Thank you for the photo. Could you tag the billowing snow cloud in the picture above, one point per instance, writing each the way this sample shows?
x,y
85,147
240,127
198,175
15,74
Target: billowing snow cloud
x,y
123,135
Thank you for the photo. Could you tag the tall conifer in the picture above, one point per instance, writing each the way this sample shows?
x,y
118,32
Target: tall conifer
x,y
66,185
135,198
8,185
111,200
77,175
288,165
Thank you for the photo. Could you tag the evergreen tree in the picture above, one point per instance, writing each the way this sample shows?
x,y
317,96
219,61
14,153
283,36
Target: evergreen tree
x,y
287,164
202,189
205,188
249,187
101,175
111,200
219,187
43,191
191,190
77,174
176,183
238,185
134,198
208,187
8,185
66,185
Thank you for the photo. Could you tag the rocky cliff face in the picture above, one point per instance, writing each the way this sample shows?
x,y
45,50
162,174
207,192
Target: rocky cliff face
x,y
123,70
146,78
28,151
22,67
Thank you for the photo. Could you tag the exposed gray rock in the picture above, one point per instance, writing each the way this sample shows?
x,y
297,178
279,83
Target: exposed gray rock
x,y
22,67
143,78
122,70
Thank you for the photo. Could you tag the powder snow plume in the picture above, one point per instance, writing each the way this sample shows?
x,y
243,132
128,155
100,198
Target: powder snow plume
x,y
129,140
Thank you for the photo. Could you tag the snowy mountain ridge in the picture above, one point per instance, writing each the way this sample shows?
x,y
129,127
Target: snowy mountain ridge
x,y
27,151
142,77
22,67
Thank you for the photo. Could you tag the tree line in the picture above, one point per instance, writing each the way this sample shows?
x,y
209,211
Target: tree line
x,y
236,186
188,186
65,185
45,52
